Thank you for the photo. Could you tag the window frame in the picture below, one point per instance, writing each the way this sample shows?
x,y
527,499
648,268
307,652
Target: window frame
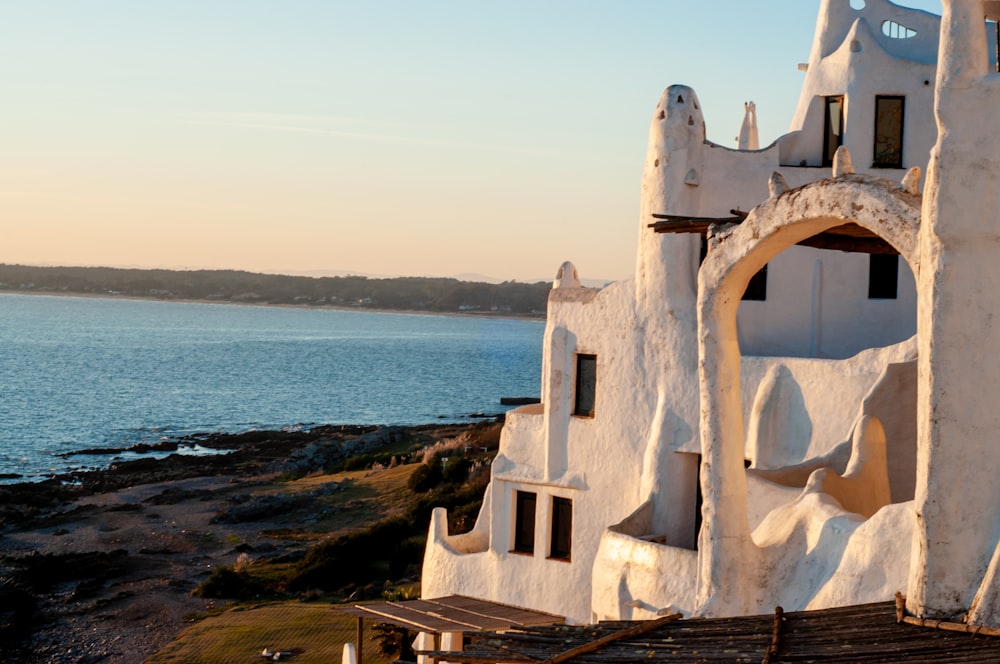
x,y
828,149
897,163
523,537
561,529
585,396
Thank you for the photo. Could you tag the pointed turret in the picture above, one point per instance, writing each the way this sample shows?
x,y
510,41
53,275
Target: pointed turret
x,y
670,185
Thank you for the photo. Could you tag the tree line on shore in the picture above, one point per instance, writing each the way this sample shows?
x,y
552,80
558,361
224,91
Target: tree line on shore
x,y
437,294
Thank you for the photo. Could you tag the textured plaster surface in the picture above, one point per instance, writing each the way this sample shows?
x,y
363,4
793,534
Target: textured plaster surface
x,y
798,409
734,573
848,42
861,419
956,566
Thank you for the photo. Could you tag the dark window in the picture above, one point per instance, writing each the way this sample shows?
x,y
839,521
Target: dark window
x,y
883,274
562,528
586,385
524,522
698,500
889,132
757,287
833,136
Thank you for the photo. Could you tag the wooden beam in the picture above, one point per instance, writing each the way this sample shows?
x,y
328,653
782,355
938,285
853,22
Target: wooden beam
x,y
846,237
361,638
969,628
641,628
772,650
459,658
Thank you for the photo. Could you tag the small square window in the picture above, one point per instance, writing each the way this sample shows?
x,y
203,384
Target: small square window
x,y
562,528
524,522
883,276
586,385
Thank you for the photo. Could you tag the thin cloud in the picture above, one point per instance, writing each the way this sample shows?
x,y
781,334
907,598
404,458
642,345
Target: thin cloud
x,y
305,124
28,195
296,119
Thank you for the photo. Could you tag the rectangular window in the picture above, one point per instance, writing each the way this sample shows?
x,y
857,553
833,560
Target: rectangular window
x,y
757,287
699,499
883,275
889,132
562,528
524,522
833,136
586,385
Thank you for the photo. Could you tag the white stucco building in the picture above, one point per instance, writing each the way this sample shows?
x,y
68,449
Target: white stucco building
x,y
721,442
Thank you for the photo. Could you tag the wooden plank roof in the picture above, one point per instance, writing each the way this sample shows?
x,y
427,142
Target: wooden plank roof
x,y
455,613
864,633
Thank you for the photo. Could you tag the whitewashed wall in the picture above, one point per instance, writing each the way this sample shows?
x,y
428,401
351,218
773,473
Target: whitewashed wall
x,y
631,471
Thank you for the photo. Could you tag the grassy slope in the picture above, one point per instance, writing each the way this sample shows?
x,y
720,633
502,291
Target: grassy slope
x,y
241,632
315,632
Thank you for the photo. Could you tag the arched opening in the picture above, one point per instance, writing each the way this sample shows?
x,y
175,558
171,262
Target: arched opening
x,y
874,204
828,303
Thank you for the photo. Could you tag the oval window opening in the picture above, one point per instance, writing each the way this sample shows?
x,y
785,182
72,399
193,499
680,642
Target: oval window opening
x,y
857,5
895,30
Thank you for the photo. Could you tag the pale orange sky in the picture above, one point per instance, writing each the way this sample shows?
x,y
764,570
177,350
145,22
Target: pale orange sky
x,y
395,138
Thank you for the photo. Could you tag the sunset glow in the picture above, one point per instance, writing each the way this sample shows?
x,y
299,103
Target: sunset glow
x,y
392,138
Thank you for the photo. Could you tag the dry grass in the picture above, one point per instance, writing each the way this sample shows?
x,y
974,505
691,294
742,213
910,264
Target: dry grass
x,y
367,496
314,632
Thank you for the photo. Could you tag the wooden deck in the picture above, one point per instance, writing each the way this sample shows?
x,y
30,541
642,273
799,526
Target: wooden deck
x,y
864,633
454,613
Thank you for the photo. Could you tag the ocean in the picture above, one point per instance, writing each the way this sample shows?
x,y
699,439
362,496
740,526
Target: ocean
x,y
79,373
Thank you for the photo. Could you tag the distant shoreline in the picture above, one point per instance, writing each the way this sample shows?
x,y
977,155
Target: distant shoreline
x,y
508,299
477,313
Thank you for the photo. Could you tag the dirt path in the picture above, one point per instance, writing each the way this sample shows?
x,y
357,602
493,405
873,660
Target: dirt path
x,y
127,603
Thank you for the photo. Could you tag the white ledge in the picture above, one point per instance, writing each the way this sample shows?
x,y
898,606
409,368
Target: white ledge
x,y
506,470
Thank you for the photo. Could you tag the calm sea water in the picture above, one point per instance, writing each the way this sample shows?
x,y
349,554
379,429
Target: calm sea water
x,y
83,372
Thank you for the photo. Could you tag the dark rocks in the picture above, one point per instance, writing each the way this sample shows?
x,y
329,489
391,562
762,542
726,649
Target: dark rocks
x,y
42,572
17,610
326,453
284,452
173,496
91,451
162,446
258,507
101,604
19,503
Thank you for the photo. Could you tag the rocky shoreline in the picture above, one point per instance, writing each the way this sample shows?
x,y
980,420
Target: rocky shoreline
x,y
99,566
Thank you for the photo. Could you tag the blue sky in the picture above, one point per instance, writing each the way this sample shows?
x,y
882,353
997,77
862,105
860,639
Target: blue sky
x,y
389,138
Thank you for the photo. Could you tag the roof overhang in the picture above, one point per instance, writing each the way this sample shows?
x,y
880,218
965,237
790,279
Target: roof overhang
x,y
846,237
454,613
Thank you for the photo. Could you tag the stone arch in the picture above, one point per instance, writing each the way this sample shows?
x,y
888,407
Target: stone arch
x,y
727,553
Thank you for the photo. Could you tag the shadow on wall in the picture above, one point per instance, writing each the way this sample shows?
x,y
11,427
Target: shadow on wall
x,y
780,429
893,400
779,422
